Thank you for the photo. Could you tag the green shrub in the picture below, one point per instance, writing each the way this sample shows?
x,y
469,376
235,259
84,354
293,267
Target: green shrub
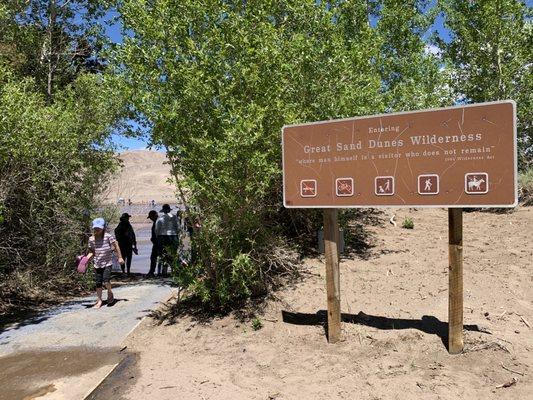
x,y
408,223
218,81
257,324
54,161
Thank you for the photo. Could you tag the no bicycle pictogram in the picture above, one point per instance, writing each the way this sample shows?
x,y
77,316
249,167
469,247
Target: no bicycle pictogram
x,y
344,187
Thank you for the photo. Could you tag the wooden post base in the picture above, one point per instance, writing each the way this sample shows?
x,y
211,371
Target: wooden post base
x,y
455,299
331,229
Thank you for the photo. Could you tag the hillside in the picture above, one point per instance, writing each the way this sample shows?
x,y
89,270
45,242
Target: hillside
x,y
143,177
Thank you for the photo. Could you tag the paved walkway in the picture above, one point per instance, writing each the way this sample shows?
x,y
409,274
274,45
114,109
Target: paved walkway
x,y
76,324
74,334
65,352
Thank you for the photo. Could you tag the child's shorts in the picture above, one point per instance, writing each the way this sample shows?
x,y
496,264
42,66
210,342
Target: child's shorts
x,y
102,275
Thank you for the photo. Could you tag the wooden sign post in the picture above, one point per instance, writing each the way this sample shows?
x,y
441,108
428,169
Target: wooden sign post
x,y
455,294
454,157
331,249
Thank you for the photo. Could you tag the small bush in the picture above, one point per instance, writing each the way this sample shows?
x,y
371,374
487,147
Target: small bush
x,y
256,324
525,187
408,223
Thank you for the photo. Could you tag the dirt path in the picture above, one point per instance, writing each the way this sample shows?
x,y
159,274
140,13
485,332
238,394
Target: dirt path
x,y
66,352
394,304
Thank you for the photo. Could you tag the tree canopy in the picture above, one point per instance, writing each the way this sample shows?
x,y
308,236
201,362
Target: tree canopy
x,y
218,80
491,52
58,109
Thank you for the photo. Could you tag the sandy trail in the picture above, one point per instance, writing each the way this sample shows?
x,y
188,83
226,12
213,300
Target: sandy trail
x,y
394,303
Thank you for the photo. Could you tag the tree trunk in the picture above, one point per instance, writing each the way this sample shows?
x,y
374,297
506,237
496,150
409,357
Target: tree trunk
x,y
498,53
51,66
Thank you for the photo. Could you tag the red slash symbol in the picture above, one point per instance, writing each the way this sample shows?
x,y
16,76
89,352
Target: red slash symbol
x,y
308,188
344,187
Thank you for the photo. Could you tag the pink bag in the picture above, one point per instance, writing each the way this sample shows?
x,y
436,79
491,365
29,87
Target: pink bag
x,y
82,263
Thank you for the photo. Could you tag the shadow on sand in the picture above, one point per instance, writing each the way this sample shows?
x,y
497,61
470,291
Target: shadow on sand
x,y
427,324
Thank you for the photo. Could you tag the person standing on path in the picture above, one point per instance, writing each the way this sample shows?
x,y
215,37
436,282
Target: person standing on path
x,y
153,215
167,231
101,247
126,240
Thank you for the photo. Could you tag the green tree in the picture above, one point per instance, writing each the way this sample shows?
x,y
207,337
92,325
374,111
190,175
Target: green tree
x,y
58,109
412,76
491,52
54,161
217,81
52,41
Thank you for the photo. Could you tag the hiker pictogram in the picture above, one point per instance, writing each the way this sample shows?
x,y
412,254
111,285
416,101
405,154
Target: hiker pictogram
x,y
428,184
476,183
344,187
308,188
384,185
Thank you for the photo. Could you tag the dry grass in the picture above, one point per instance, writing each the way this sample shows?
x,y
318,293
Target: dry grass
x,y
525,187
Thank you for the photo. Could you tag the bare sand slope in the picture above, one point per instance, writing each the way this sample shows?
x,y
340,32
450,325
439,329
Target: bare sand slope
x,y
143,177
395,307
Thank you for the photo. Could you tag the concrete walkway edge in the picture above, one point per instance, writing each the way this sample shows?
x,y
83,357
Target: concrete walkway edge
x,y
115,366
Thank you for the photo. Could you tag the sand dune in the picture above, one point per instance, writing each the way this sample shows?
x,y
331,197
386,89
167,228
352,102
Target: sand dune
x,y
143,177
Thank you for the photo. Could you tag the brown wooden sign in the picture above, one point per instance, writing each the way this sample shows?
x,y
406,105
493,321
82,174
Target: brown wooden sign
x,y
462,156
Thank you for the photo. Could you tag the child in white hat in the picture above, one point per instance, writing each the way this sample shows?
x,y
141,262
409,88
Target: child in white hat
x,y
101,247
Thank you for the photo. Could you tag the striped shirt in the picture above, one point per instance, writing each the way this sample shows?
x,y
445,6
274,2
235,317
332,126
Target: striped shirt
x,y
102,250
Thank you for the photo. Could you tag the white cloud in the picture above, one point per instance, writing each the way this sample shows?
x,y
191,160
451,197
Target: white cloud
x,y
432,49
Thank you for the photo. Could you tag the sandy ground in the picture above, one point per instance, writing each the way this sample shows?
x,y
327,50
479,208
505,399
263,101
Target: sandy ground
x,y
395,306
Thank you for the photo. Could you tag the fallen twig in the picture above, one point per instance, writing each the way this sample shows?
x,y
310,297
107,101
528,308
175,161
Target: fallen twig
x,y
310,273
525,321
489,345
507,384
506,341
511,370
391,220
